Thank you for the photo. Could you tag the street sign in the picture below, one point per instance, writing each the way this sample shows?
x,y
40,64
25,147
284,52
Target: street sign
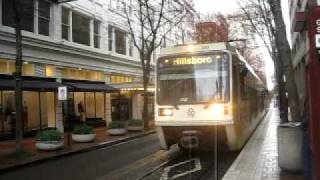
x,y
62,93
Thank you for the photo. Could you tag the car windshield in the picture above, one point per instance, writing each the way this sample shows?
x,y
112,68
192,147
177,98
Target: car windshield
x,y
193,79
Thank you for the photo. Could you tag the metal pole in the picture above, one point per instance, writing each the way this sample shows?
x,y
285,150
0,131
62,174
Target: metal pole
x,y
85,105
55,109
68,122
104,106
2,114
95,105
39,100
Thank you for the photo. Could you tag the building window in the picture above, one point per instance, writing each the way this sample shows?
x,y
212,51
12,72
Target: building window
x,y
131,48
44,17
96,31
65,24
80,29
26,14
110,37
120,41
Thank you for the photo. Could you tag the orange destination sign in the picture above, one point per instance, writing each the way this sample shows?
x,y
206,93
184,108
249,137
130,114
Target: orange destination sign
x,y
192,60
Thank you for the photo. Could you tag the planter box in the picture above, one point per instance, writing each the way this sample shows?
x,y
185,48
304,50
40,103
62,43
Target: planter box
x,y
290,137
82,138
49,145
117,132
135,128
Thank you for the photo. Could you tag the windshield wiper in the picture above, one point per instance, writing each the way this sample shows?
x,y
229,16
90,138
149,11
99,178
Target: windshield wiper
x,y
208,103
176,106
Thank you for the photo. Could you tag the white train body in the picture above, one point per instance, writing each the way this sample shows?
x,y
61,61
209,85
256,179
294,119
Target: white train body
x,y
198,94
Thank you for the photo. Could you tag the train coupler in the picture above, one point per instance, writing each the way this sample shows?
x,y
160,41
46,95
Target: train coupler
x,y
190,139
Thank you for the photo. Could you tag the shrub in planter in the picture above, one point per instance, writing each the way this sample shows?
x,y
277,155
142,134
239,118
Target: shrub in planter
x,y
83,133
135,125
50,139
117,128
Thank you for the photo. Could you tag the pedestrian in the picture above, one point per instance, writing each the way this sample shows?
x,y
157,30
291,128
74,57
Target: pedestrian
x,y
9,116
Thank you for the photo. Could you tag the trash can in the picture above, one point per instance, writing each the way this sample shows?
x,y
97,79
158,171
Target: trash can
x,y
290,141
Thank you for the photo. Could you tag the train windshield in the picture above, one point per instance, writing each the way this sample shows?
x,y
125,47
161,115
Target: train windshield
x,y
193,79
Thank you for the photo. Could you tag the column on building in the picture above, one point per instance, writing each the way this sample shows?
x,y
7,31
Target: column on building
x,y
91,29
36,19
137,106
127,44
55,23
108,118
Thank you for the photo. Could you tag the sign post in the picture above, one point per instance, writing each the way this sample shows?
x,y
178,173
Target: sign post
x,y
63,96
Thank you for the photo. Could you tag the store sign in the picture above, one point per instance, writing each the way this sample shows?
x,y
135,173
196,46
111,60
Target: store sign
x,y
317,36
62,93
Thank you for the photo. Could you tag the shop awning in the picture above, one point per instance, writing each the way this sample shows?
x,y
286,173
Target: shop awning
x,y
87,86
36,85
132,86
30,84
6,84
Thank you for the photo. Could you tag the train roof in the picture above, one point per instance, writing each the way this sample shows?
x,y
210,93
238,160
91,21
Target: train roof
x,y
196,48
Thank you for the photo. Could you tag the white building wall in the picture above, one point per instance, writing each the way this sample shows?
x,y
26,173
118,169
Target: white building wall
x,y
300,48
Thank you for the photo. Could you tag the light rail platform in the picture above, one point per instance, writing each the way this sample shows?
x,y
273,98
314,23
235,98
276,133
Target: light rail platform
x,y
258,160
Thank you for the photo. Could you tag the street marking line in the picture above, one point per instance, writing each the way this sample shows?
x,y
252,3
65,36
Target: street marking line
x,y
165,174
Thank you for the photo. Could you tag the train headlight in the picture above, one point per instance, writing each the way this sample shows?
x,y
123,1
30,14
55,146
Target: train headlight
x,y
217,110
165,112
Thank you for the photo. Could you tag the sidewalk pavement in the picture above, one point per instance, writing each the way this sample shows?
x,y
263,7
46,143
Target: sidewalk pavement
x,y
32,155
258,160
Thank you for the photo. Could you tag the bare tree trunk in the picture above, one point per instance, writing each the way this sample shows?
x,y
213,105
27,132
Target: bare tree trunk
x,y
285,57
18,90
146,78
283,101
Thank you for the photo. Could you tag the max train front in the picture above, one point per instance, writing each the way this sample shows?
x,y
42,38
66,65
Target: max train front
x,y
193,96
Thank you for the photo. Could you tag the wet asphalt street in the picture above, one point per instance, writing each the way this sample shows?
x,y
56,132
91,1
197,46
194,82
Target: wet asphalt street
x,y
137,159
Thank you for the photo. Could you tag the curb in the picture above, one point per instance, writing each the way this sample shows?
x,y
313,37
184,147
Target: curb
x,y
73,152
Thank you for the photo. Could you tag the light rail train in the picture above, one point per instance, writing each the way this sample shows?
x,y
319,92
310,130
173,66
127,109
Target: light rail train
x,y
202,89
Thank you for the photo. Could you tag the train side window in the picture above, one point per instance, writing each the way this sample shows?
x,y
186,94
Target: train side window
x,y
243,85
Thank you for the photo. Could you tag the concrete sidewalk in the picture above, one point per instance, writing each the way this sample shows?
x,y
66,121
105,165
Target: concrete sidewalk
x,y
8,162
258,160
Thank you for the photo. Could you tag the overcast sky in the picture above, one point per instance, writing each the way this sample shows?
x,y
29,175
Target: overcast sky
x,y
229,6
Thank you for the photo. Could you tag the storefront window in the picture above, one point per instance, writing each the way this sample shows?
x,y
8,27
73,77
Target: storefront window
x,y
81,74
115,79
27,70
50,70
3,67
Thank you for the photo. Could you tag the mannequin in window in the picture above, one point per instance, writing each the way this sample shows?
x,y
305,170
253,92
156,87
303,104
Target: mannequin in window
x,y
25,116
81,111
